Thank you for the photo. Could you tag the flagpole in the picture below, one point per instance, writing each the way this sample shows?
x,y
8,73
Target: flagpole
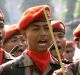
x,y
53,38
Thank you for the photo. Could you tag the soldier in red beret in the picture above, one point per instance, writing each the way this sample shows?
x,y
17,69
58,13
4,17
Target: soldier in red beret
x,y
36,59
69,52
14,42
73,68
4,56
59,33
76,34
76,38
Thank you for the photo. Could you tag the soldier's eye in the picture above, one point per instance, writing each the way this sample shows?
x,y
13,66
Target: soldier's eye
x,y
13,40
61,36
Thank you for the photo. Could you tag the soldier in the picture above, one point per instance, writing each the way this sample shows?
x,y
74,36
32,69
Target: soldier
x,y
77,42
59,33
69,52
77,36
14,40
36,60
73,68
4,56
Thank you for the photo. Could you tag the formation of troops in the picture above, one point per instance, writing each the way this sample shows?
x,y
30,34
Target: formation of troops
x,y
28,48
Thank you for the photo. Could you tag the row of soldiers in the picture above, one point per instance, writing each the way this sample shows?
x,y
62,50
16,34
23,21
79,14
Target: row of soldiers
x,y
36,58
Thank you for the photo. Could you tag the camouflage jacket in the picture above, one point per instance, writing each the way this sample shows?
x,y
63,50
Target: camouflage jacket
x,y
71,69
23,65
5,56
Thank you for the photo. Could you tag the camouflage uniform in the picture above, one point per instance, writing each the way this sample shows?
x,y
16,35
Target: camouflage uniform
x,y
23,65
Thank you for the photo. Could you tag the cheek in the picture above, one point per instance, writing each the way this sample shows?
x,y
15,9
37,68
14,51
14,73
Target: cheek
x,y
64,42
63,45
11,44
3,33
50,38
65,55
31,38
8,47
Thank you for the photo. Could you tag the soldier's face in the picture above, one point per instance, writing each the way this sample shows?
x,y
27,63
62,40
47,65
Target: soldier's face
x,y
61,42
1,33
69,52
38,36
13,41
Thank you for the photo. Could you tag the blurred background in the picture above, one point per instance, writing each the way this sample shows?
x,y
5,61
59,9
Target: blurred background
x,y
65,10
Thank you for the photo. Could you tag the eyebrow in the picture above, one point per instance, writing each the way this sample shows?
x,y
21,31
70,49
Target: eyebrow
x,y
14,37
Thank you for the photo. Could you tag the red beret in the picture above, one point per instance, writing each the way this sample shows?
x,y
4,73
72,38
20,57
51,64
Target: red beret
x,y
33,14
70,43
76,32
76,38
10,31
58,26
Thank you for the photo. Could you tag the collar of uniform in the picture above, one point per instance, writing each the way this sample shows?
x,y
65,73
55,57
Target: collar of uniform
x,y
26,60
8,56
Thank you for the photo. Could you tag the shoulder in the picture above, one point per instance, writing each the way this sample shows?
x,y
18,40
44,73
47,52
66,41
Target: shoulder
x,y
25,59
73,68
22,60
9,63
8,55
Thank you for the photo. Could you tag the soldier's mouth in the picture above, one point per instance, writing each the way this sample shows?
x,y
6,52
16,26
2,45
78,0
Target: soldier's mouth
x,y
42,42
